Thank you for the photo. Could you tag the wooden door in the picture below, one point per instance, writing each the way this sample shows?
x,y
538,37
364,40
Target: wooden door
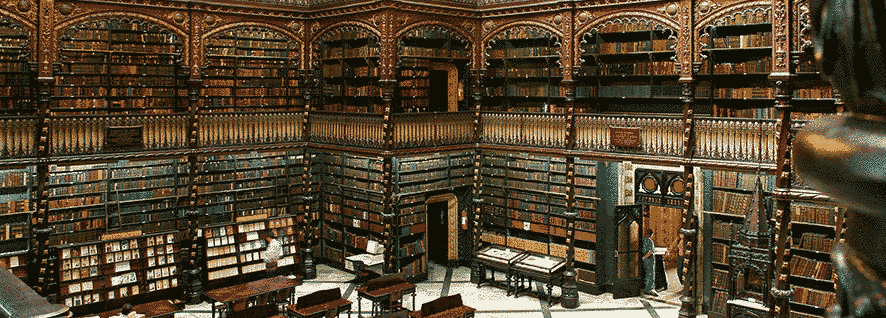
x,y
628,229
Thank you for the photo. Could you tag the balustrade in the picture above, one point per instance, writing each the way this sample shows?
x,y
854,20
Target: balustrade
x,y
363,130
85,134
17,137
659,135
524,129
736,139
249,128
432,129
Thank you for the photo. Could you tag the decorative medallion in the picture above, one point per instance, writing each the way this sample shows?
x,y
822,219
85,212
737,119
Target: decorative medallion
x,y
66,9
378,20
178,17
649,184
23,6
297,26
209,19
488,26
557,20
678,186
315,27
672,9
584,17
704,7
468,25
402,20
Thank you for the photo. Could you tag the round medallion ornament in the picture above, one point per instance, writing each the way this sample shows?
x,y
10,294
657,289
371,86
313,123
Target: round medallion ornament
x,y
678,186
704,7
583,18
23,6
66,9
209,19
178,17
557,20
488,26
468,26
672,9
649,184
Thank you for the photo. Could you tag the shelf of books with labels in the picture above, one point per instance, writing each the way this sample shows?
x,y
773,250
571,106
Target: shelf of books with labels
x,y
77,202
585,209
626,69
235,185
813,97
412,255
250,245
349,71
16,263
414,85
727,196
523,72
15,209
286,230
114,65
433,172
814,229
251,68
737,60
16,95
222,259
345,236
355,172
146,195
107,273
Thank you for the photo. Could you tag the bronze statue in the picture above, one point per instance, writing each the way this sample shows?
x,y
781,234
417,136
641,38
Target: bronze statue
x,y
845,156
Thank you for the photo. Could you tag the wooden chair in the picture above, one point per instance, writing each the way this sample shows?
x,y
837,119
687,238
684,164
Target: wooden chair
x,y
324,303
261,311
444,307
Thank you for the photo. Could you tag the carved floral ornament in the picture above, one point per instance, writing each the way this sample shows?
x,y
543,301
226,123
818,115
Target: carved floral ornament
x,y
670,10
66,9
297,26
488,26
23,6
583,17
178,17
468,25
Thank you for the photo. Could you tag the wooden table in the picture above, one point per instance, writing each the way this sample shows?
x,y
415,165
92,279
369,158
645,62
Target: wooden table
x,y
315,311
384,294
157,309
539,267
497,257
260,288
460,311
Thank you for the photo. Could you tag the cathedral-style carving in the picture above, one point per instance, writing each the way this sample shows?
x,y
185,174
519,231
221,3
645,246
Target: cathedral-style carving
x,y
750,262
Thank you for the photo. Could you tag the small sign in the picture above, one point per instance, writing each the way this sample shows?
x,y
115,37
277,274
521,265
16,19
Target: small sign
x,y
119,138
120,235
526,226
624,137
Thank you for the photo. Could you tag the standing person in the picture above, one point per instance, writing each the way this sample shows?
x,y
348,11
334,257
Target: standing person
x,y
680,248
649,263
273,252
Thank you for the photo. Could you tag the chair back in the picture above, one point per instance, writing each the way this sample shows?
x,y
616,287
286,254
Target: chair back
x,y
318,297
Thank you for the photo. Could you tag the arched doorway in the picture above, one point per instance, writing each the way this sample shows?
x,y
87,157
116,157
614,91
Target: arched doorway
x,y
442,229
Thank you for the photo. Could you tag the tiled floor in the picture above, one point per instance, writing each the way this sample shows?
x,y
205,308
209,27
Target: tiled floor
x,y
490,302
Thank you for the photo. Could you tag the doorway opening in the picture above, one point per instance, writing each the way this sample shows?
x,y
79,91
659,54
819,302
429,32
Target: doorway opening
x,y
437,232
439,95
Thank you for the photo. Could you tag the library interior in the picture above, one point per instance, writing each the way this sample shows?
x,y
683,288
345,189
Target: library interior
x,y
494,158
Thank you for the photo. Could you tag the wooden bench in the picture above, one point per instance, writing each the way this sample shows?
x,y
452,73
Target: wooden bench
x,y
324,303
444,307
262,311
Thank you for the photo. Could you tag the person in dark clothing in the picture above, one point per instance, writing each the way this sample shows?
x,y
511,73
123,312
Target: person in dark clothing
x,y
649,263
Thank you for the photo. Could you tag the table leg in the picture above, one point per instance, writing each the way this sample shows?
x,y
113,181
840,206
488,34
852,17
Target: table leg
x,y
508,293
359,306
413,300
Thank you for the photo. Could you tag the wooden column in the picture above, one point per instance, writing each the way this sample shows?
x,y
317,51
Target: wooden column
x,y
782,74
688,67
570,288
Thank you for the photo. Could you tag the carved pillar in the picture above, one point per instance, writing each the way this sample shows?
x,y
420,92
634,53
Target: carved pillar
x,y
570,289
477,202
309,269
688,306
782,291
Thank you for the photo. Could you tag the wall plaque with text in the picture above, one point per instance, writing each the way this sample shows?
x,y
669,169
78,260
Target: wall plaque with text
x,y
624,137
119,138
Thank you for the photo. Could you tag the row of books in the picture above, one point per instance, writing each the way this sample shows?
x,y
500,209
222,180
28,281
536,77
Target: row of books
x,y
812,297
719,278
356,162
801,266
347,35
413,51
720,252
731,202
744,92
815,241
436,185
763,65
415,83
360,52
346,90
586,226
136,37
631,47
632,68
812,214
56,216
541,51
17,80
416,267
719,301
725,230
524,71
415,92
426,176
413,248
526,90
14,67
340,70
814,92
737,180
639,91
254,44
140,48
13,43
414,73
807,66
334,254
140,69
75,201
761,39
11,231
332,234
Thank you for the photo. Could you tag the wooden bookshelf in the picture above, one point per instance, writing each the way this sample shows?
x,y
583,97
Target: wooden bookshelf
x,y
585,225
418,49
736,63
815,226
16,94
77,202
629,67
727,196
426,173
348,60
146,195
15,209
118,65
521,73
251,69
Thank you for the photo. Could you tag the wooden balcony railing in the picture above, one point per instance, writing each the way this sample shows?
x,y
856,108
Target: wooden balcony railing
x,y
524,129
736,139
85,134
432,129
363,130
249,128
17,137
659,135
